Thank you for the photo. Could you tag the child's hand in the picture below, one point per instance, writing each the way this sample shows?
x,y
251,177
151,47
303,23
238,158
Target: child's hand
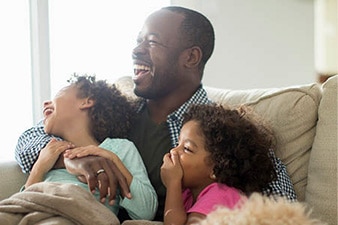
x,y
50,154
79,152
46,160
171,169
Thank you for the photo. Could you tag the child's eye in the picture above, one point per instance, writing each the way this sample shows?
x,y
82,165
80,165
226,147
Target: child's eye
x,y
186,149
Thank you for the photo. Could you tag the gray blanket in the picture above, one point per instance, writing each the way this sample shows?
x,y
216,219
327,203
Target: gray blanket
x,y
54,204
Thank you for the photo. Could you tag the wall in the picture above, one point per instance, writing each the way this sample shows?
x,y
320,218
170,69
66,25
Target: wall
x,y
259,43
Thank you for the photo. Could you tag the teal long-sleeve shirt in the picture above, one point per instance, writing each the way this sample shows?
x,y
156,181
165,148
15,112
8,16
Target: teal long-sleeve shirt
x,y
144,203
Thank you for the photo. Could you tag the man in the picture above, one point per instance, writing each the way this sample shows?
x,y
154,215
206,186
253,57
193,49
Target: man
x,y
172,49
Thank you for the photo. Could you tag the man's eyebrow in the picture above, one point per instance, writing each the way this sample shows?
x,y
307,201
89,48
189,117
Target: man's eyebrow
x,y
154,34
145,36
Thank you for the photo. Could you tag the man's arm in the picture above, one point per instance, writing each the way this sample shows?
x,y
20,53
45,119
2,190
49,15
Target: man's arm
x,y
86,168
29,146
34,139
282,186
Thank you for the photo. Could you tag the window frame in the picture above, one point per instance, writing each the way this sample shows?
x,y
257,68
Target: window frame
x,y
40,55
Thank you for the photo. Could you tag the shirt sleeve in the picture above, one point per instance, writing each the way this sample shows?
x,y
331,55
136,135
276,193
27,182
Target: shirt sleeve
x,y
144,202
211,197
282,186
29,145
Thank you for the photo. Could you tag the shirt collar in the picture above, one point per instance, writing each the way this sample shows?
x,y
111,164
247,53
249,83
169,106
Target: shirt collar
x,y
199,97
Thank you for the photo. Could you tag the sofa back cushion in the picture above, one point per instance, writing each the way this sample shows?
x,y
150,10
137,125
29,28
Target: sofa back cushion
x,y
292,114
11,177
321,192
291,111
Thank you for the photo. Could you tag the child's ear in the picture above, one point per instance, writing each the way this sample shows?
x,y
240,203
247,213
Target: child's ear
x,y
212,176
87,103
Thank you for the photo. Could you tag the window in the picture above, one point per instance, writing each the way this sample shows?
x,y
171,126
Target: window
x,y
95,37
85,36
16,94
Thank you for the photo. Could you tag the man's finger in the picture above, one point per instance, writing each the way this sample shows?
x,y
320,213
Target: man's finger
x,y
103,179
120,181
91,180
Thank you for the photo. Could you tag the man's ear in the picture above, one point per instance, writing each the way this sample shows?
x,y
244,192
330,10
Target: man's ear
x,y
87,103
193,56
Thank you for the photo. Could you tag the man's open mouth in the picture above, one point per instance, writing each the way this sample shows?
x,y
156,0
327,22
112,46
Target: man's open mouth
x,y
140,69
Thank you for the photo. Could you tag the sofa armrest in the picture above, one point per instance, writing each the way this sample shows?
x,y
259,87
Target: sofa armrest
x,y
11,177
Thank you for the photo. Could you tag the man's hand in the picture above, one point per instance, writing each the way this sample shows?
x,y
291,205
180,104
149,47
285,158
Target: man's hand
x,y
88,170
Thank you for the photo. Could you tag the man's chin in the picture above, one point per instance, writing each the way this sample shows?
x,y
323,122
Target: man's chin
x,y
143,93
139,93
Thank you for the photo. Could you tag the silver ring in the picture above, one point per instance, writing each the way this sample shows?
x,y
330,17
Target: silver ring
x,y
100,171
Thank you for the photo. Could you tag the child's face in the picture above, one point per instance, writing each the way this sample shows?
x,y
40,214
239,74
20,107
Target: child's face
x,y
194,158
62,111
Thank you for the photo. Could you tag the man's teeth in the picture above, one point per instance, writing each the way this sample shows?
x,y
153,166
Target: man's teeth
x,y
141,67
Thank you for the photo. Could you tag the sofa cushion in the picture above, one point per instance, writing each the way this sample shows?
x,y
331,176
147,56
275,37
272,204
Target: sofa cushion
x,y
322,179
291,111
12,178
292,114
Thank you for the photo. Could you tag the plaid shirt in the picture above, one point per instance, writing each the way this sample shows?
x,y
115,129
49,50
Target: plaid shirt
x,y
34,139
29,145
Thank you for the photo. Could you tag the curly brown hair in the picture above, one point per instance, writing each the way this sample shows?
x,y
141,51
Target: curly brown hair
x,y
239,144
112,113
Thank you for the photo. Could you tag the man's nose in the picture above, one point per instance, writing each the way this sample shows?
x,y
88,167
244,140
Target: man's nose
x,y
138,50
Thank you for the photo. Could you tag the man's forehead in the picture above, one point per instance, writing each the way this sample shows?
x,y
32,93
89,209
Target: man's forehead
x,y
161,23
164,16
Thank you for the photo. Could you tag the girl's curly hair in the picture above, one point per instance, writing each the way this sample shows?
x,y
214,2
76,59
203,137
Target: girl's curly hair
x,y
112,113
239,145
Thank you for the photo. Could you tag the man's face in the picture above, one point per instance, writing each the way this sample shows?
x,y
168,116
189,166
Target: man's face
x,y
157,54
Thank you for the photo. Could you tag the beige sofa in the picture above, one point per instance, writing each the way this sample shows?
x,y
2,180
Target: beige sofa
x,y
304,118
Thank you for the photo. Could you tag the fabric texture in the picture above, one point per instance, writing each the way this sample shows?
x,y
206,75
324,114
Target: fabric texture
x,y
143,204
212,196
292,114
141,222
261,99
12,179
152,141
29,145
282,186
262,210
322,180
54,203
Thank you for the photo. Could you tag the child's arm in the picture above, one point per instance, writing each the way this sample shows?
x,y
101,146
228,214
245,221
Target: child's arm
x,y
171,175
95,150
46,160
143,202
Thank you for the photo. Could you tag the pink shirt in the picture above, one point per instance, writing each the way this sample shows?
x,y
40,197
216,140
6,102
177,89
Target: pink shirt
x,y
213,195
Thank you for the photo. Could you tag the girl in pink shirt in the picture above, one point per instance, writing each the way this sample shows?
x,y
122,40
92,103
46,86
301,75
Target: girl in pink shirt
x,y
222,156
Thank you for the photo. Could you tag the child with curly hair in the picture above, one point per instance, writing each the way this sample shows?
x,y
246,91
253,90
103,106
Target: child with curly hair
x,y
223,154
93,118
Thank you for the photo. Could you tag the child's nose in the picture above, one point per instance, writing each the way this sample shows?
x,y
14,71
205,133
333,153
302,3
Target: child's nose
x,y
176,149
45,103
